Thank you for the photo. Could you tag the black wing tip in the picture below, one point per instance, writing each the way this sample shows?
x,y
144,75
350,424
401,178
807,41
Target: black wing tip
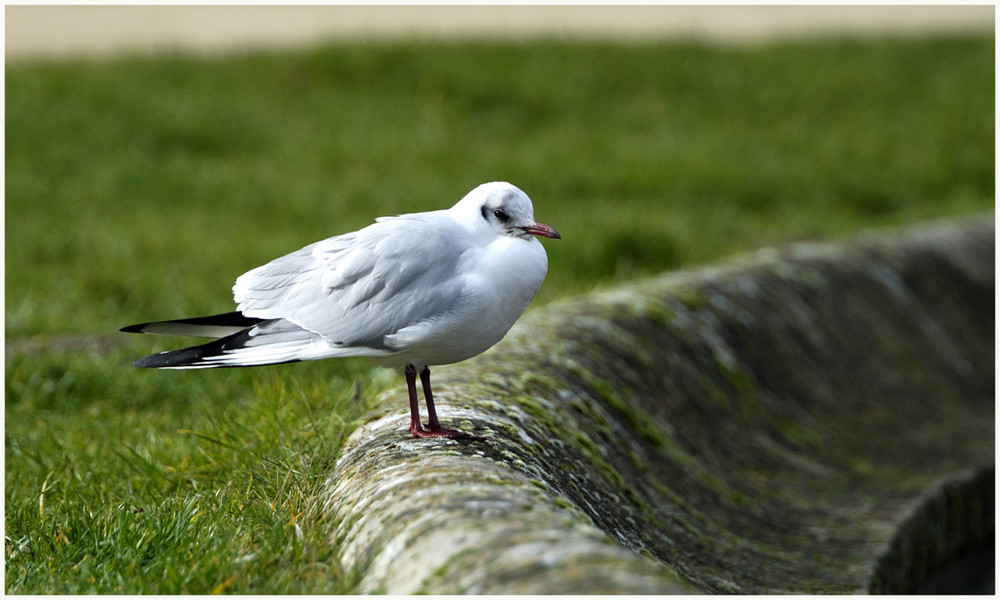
x,y
185,357
229,319
194,356
146,362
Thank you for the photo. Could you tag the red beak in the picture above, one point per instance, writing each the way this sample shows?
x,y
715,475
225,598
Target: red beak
x,y
542,230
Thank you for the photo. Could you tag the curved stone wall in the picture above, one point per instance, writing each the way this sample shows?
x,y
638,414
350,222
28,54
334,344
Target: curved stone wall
x,y
764,426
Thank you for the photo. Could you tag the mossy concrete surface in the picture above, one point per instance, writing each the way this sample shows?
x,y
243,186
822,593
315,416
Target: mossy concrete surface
x,y
775,424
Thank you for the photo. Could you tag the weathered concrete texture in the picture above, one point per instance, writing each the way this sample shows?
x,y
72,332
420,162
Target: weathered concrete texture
x,y
776,424
952,522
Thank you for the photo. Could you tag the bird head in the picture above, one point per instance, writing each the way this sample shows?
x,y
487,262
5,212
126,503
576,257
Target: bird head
x,y
505,209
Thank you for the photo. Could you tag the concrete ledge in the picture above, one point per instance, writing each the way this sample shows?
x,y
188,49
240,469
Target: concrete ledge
x,y
771,425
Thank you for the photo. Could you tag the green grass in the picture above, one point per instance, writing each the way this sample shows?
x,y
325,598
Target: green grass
x,y
139,188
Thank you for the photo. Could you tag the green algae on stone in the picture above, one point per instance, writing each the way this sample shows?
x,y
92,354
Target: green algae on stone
x,y
756,427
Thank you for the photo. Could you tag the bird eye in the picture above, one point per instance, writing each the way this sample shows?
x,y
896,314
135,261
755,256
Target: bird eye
x,y
500,215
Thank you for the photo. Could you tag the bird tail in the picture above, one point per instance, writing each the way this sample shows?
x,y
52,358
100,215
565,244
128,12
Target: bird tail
x,y
241,342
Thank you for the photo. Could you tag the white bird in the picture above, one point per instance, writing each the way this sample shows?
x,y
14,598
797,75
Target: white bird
x,y
409,291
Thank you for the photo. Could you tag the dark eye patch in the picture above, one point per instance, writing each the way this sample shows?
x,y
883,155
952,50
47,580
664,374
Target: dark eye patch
x,y
499,214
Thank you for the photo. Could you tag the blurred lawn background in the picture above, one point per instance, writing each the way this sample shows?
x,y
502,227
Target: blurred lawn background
x,y
140,188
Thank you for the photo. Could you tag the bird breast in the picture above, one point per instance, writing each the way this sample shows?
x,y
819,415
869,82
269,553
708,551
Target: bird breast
x,y
502,279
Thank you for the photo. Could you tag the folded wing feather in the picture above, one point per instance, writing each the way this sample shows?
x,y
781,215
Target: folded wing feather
x,y
358,288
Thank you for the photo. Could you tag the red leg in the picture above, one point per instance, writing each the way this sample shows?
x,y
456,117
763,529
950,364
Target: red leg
x,y
434,428
411,384
432,417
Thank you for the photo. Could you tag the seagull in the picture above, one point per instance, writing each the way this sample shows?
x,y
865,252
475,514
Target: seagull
x,y
410,291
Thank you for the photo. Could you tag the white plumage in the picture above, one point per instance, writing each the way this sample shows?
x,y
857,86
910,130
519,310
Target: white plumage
x,y
408,291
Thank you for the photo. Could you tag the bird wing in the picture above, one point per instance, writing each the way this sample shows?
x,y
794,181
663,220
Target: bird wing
x,y
355,289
